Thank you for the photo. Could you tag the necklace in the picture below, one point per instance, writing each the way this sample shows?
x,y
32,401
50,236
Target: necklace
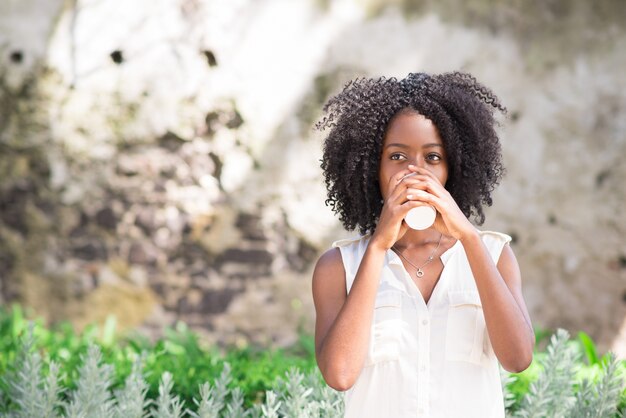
x,y
419,272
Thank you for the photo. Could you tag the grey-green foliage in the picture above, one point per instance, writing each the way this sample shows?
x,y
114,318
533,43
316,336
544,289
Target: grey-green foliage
x,y
235,408
599,400
167,405
212,398
208,406
327,402
33,395
92,397
553,394
296,395
271,406
131,401
307,397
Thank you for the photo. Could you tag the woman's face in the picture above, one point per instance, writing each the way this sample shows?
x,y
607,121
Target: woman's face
x,y
411,138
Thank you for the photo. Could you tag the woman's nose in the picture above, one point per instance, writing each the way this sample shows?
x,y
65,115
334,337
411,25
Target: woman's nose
x,y
417,161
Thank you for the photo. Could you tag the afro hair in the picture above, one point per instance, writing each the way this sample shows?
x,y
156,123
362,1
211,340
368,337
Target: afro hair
x,y
356,120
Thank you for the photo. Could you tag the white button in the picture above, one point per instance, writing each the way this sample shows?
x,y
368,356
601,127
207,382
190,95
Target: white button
x,y
424,321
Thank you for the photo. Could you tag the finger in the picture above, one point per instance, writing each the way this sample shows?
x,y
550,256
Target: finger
x,y
408,205
417,177
395,180
411,179
399,195
419,182
428,185
421,176
399,209
400,175
421,171
419,195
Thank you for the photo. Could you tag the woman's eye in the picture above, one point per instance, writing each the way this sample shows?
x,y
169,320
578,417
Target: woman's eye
x,y
396,156
434,157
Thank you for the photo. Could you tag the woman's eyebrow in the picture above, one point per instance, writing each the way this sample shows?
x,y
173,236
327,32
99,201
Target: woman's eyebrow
x,y
395,144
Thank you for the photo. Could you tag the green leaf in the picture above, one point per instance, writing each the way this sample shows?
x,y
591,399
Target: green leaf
x,y
108,333
589,348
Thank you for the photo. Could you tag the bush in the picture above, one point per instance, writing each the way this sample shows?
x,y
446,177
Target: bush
x,y
568,379
33,394
253,369
560,385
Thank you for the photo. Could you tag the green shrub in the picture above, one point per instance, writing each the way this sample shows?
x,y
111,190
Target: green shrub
x,y
31,394
254,369
62,374
577,375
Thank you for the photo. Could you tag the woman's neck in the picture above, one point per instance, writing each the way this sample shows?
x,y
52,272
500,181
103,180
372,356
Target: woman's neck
x,y
416,238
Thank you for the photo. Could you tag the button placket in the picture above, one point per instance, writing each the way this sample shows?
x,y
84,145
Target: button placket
x,y
423,359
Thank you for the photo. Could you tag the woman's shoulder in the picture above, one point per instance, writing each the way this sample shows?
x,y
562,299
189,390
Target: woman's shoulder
x,y
351,241
332,257
329,261
347,252
488,235
495,242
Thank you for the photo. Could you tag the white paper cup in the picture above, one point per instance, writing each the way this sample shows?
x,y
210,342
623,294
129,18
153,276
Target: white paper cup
x,y
421,217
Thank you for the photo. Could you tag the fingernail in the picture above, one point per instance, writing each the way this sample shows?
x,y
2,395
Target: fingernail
x,y
409,196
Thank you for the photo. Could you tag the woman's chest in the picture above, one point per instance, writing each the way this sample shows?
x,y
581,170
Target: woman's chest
x,y
404,327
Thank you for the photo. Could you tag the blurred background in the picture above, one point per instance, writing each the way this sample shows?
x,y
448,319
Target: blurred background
x,y
158,163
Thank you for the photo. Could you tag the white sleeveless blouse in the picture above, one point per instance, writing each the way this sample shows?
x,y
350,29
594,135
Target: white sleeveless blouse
x,y
432,360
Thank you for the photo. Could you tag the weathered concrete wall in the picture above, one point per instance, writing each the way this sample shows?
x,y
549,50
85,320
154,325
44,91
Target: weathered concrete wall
x,y
158,161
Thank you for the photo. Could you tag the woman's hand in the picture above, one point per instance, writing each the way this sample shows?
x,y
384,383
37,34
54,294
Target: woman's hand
x,y
390,226
425,187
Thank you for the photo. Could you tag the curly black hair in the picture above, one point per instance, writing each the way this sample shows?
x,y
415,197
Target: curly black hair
x,y
461,108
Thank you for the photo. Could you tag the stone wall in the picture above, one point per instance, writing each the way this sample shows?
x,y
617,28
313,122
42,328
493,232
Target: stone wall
x,y
157,159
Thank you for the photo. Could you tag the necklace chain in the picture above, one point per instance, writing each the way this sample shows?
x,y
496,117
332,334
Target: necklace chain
x,y
418,270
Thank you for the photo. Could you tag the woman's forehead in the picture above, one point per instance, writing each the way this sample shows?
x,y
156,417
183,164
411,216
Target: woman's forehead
x,y
411,127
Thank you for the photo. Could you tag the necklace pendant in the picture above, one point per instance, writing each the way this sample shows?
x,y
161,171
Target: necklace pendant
x,y
419,272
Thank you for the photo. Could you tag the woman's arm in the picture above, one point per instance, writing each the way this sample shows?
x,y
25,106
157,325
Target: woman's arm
x,y
499,287
342,322
506,316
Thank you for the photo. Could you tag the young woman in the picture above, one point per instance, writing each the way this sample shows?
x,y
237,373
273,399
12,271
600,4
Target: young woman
x,y
414,323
